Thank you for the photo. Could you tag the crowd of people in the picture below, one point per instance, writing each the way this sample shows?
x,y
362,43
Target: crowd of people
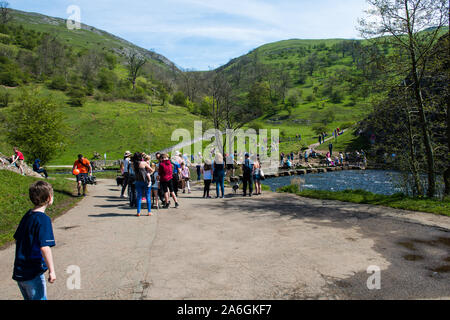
x,y
303,157
160,181
157,181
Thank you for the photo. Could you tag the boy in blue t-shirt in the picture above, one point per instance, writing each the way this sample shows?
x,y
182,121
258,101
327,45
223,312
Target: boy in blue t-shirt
x,y
34,237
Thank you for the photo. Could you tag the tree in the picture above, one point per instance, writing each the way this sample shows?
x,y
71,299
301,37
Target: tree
x,y
179,99
312,63
414,27
5,14
135,62
36,126
259,99
302,73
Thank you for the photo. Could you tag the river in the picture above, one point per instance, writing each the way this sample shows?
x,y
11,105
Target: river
x,y
375,181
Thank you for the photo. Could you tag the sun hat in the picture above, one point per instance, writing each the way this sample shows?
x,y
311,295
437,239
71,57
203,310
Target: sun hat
x,y
127,153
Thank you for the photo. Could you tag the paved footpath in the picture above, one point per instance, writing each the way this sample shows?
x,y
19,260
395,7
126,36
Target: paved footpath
x,y
275,246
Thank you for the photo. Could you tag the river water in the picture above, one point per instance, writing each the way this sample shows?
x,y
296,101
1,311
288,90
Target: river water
x,y
375,181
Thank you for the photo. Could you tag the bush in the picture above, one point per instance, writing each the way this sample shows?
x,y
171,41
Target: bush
x,y
58,83
100,96
5,98
35,124
77,97
293,100
310,98
138,95
336,96
346,125
320,128
107,80
179,99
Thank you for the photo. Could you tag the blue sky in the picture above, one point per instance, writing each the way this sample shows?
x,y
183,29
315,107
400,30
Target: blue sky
x,y
204,34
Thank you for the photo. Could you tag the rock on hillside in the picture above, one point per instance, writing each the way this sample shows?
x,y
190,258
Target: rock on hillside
x,y
5,165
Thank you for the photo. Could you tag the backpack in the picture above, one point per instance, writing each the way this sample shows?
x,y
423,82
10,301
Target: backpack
x,y
153,178
247,169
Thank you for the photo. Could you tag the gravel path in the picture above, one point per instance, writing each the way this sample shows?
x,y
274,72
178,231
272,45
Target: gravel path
x,y
275,246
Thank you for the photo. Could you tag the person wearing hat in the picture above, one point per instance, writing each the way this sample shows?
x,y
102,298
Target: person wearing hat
x,y
126,164
247,179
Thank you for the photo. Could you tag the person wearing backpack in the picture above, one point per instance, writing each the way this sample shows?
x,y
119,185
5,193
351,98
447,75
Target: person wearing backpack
x,y
131,183
176,166
219,175
247,169
143,172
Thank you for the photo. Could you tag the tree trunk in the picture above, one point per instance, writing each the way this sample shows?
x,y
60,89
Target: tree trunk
x,y
426,139
431,191
415,172
447,172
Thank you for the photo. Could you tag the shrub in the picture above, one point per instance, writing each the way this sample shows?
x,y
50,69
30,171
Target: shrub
x,y
320,128
138,95
58,83
310,98
5,98
35,124
77,97
346,125
293,100
336,96
179,99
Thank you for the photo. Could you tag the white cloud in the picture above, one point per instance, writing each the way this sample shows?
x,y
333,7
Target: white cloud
x,y
211,30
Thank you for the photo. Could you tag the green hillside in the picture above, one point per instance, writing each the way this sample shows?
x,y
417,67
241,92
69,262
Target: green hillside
x,y
113,127
85,73
300,87
314,84
86,38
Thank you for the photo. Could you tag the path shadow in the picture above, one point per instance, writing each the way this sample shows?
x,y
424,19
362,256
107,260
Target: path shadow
x,y
111,215
405,277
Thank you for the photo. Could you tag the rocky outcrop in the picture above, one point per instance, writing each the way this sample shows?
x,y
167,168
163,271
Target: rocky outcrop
x,y
5,164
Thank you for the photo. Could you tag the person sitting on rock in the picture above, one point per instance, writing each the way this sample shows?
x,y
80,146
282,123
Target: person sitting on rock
x,y
37,168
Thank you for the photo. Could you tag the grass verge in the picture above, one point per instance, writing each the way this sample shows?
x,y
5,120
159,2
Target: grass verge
x,y
397,201
14,201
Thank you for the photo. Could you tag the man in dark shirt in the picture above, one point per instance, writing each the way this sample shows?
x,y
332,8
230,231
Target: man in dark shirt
x,y
247,169
37,168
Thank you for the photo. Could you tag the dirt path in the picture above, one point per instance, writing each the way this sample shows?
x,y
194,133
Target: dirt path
x,y
272,246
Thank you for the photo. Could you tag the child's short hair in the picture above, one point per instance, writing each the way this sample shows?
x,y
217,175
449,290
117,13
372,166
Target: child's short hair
x,y
39,192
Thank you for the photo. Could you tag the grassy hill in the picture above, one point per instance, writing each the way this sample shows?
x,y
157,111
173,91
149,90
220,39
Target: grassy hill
x,y
113,117
315,85
113,127
328,78
87,37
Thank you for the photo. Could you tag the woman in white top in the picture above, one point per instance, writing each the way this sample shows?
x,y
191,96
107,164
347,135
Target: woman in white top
x,y
185,177
207,178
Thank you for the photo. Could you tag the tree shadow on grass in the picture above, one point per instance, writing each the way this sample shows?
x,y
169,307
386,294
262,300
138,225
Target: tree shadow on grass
x,y
64,192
